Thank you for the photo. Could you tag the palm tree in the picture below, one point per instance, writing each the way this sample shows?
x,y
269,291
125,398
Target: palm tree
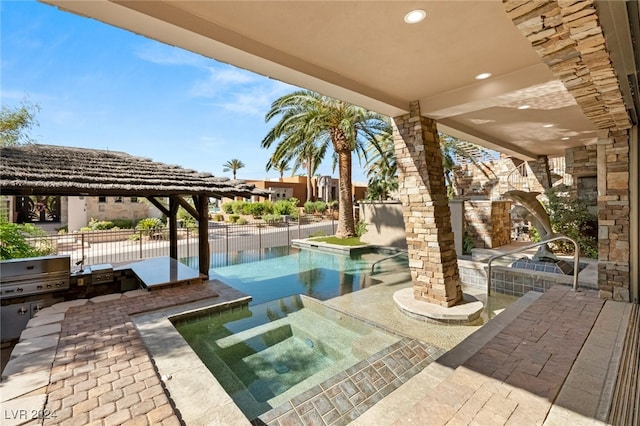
x,y
232,165
382,165
280,166
309,118
382,169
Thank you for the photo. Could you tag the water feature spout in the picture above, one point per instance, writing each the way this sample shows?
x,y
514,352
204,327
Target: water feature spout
x,y
540,220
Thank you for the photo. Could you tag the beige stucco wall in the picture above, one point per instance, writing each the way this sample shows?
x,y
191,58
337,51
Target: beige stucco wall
x,y
385,224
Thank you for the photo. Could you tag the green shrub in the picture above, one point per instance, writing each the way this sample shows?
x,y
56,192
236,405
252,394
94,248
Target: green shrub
x,y
321,206
238,207
218,217
268,207
149,225
242,221
254,209
123,223
361,228
467,244
309,207
571,217
233,218
22,241
283,207
227,208
272,218
99,225
185,217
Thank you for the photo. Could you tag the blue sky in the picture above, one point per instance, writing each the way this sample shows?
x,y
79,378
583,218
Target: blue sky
x,y
102,87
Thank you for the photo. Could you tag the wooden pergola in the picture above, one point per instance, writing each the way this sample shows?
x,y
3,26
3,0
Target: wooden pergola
x,y
36,169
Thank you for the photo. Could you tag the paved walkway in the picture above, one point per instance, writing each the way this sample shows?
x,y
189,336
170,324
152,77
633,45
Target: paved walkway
x,y
554,363
551,359
100,371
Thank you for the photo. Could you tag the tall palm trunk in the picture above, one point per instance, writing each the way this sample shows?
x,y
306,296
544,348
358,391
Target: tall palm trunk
x,y
346,225
309,186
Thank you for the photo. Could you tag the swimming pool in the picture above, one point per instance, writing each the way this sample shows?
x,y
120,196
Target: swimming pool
x,y
286,271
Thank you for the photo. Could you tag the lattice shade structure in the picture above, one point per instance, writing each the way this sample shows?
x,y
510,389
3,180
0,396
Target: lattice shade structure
x,y
57,170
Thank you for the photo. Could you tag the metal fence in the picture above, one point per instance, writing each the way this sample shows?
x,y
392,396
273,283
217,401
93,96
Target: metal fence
x,y
226,241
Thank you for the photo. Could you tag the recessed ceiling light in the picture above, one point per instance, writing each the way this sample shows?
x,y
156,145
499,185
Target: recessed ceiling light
x,y
483,76
415,16
548,125
566,138
524,107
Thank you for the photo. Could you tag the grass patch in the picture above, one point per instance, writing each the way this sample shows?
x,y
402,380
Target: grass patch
x,y
353,241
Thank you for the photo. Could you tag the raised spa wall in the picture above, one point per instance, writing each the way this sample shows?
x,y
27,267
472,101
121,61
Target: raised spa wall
x,y
385,227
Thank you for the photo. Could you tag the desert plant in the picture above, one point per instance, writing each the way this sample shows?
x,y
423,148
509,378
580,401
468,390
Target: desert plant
x,y
272,218
149,225
283,207
227,208
255,209
234,218
218,217
320,206
98,225
361,228
242,221
467,244
309,207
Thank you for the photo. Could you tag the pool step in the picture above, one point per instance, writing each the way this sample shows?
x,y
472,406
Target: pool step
x,y
626,396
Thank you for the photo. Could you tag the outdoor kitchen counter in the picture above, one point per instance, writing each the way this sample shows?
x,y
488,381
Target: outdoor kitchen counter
x,y
162,271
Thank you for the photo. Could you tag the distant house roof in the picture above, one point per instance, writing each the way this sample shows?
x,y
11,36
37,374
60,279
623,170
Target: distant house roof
x,y
57,170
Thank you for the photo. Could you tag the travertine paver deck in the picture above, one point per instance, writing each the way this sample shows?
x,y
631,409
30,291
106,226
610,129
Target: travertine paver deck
x,y
538,369
102,373
516,376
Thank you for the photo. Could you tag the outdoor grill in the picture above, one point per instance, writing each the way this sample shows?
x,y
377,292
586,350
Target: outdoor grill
x,y
21,282
24,277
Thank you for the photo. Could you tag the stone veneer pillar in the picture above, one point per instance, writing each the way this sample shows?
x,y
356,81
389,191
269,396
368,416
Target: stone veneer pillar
x,y
568,37
613,215
427,218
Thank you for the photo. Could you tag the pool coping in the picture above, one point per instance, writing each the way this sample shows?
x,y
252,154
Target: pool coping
x,y
181,371
331,248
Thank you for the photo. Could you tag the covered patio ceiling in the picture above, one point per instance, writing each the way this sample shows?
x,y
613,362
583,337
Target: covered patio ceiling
x,y
364,53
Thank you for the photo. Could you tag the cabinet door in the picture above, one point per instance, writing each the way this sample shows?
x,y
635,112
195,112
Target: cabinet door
x,y
14,320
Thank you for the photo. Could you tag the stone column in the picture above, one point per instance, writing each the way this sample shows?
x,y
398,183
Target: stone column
x,y
432,255
613,214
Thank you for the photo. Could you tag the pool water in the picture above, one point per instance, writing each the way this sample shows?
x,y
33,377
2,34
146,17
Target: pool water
x,y
284,272
265,354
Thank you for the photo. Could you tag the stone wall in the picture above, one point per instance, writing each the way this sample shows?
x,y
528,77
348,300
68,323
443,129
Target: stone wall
x,y
124,209
581,162
385,223
430,240
488,222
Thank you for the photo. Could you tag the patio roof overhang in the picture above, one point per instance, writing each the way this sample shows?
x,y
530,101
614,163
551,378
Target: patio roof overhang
x,y
337,45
